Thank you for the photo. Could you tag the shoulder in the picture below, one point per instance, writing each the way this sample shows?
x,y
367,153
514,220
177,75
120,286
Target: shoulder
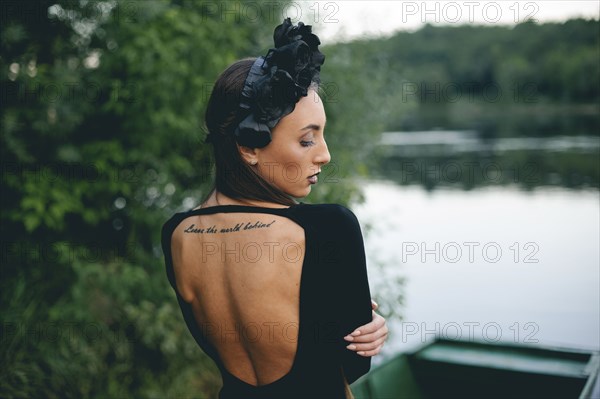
x,y
333,210
331,214
169,226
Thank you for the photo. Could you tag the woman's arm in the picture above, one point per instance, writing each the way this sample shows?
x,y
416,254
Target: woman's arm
x,y
367,340
351,294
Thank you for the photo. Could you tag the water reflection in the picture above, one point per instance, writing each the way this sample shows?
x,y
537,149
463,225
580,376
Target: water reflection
x,y
440,142
494,264
533,199
466,159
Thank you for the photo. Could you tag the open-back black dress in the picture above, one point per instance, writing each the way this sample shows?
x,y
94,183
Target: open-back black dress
x,y
334,301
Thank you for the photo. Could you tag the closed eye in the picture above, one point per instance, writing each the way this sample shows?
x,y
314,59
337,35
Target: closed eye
x,y
305,143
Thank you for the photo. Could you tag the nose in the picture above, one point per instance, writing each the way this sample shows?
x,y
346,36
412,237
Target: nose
x,y
323,157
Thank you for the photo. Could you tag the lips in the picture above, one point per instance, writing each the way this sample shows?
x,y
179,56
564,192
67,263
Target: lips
x,y
313,178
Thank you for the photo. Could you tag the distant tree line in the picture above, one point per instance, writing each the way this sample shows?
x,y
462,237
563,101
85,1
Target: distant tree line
x,y
466,65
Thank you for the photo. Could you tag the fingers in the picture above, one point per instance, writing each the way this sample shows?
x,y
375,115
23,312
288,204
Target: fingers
x,y
368,340
368,349
380,333
363,339
376,324
370,353
374,305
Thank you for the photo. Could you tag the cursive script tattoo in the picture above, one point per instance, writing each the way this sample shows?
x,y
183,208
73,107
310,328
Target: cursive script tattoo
x,y
192,229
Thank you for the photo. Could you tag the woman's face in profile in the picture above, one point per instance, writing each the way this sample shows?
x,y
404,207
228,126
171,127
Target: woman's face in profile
x,y
297,149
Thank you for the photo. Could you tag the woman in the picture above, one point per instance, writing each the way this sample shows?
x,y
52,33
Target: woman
x,y
273,290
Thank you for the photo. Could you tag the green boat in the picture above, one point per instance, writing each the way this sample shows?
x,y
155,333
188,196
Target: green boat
x,y
471,369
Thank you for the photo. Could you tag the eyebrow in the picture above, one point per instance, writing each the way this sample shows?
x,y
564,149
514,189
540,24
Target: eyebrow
x,y
312,126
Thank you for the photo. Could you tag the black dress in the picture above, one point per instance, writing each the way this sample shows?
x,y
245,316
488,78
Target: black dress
x,y
334,301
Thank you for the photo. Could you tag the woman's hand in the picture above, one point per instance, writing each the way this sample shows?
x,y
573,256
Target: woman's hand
x,y
368,340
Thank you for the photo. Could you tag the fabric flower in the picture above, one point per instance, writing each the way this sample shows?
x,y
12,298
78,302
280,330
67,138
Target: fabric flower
x,y
276,82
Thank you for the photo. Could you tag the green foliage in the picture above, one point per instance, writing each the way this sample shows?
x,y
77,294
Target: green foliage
x,y
101,141
449,76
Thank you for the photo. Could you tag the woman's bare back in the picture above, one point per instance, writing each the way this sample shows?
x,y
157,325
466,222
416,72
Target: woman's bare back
x,y
241,274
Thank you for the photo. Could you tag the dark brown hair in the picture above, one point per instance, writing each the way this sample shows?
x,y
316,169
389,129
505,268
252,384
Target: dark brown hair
x,y
234,177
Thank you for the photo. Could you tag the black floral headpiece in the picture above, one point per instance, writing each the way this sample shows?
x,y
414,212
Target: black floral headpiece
x,y
276,82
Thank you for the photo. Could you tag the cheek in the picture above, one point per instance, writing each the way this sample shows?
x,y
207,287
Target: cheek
x,y
285,166
290,174
283,155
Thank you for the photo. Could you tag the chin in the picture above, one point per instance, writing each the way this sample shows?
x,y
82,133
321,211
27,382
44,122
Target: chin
x,y
301,193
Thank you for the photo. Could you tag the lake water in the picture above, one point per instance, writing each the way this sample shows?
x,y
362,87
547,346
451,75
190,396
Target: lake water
x,y
496,262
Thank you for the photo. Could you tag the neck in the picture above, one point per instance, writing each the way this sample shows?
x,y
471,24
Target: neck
x,y
216,198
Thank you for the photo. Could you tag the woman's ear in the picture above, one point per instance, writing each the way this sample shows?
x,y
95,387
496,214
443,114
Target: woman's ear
x,y
249,155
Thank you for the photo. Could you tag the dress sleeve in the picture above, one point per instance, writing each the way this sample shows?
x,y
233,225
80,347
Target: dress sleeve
x,y
165,239
352,294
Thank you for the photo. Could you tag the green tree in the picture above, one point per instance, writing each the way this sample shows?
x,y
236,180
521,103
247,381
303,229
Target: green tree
x,y
102,140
